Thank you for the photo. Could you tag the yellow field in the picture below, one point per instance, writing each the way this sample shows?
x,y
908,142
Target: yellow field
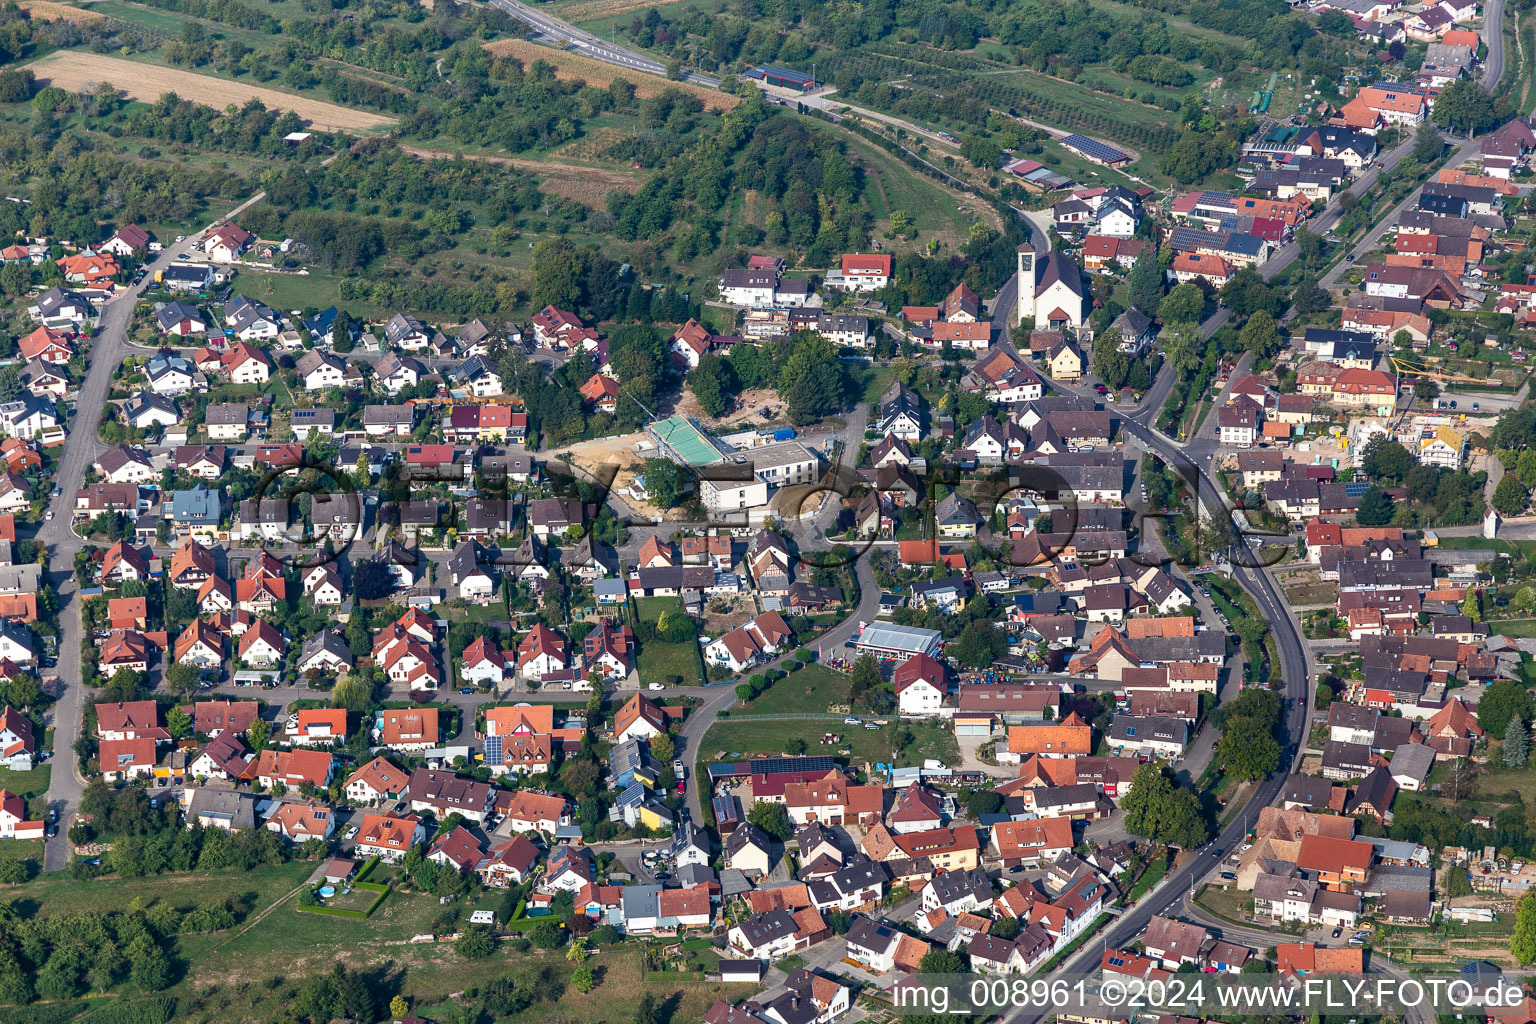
x,y
591,10
44,10
82,72
574,67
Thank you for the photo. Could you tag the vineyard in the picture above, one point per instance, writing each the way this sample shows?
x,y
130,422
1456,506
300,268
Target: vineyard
x,y
1072,111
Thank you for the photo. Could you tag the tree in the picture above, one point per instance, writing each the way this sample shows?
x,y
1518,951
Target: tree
x,y
1454,882
1260,335
258,734
10,384
771,818
983,801
1465,106
182,678
1461,784
979,645
1247,749
1524,600
1157,811
399,1007
1184,304
1335,23
713,382
646,1010
865,676
1522,943
152,971
1510,496
372,579
1427,143
1472,605
178,723
1525,467
1308,296
353,693
941,961
1517,744
666,482
1309,244
1501,702
1375,507
547,934
1426,390
1145,281
580,776
583,979
662,747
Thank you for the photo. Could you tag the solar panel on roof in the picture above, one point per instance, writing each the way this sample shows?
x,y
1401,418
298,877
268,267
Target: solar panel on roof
x,y
1355,488
1093,148
781,765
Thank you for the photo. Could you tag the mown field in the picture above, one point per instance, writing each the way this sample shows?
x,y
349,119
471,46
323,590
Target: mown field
x,y
81,72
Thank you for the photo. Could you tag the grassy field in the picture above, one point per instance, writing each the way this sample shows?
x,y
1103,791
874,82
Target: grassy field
x,y
735,738
250,972
808,691
1311,593
316,290
891,185
52,895
662,662
78,72
1513,627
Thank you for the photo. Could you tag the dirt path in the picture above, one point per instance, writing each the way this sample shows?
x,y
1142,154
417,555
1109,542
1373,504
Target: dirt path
x,y
284,898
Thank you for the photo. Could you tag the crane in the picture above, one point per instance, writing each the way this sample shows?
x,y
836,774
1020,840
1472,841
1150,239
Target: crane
x,y
1408,367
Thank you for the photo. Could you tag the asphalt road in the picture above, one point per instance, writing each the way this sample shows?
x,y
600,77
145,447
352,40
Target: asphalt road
x,y
591,45
1293,665
109,346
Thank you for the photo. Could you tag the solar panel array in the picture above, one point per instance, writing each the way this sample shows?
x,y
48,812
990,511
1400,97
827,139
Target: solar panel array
x,y
1093,148
780,765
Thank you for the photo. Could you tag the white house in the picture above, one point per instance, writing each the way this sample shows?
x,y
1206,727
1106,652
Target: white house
x,y
920,687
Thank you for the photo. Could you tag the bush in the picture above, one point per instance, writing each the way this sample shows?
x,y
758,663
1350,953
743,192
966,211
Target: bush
x,y
547,935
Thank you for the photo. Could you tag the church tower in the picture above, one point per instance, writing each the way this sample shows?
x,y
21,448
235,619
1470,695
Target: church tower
x,y
1026,281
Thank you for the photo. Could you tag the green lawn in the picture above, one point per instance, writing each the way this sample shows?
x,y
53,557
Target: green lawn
x,y
316,290
59,894
670,664
33,785
808,691
891,185
1513,627
252,971
736,738
1150,877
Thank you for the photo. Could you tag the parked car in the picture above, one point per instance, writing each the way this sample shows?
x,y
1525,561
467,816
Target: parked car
x,y
656,686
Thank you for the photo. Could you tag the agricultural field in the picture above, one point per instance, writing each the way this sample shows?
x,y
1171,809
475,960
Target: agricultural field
x,y
82,72
49,11
574,67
